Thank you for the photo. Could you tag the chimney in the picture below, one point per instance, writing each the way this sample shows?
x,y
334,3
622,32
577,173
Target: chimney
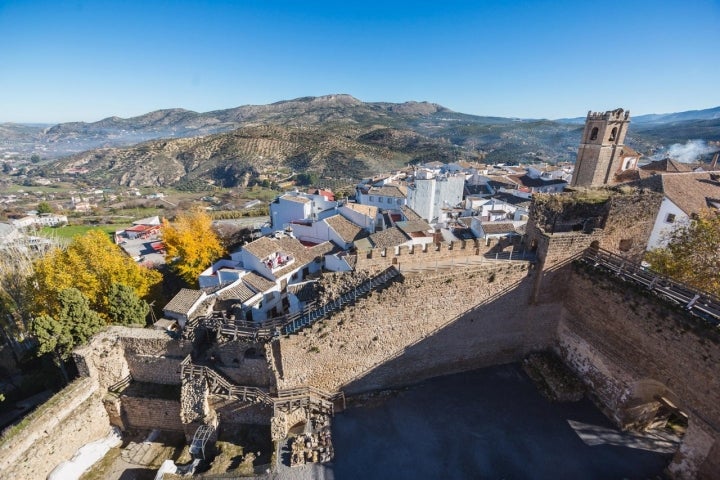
x,y
713,164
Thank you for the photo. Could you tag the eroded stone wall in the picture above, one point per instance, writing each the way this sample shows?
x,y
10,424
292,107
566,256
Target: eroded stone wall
x,y
420,326
408,256
150,413
150,356
53,433
630,348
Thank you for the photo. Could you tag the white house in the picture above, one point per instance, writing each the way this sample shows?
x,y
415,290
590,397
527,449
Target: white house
x,y
292,206
428,194
685,195
363,215
387,197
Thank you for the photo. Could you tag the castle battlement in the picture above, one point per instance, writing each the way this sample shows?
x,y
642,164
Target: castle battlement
x,y
617,114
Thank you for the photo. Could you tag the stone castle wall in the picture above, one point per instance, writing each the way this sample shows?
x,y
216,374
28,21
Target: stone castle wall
x,y
150,413
150,356
381,258
243,363
631,349
420,326
54,432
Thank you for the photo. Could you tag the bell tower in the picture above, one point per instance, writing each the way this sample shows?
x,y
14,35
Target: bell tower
x,y
601,148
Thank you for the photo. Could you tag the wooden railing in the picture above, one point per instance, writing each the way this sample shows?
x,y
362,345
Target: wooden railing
x,y
288,324
698,302
348,296
285,400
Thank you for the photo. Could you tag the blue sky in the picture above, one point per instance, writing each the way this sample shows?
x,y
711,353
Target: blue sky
x,y
85,60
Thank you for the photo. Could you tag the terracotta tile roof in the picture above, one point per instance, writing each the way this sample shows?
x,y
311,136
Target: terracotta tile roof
x,y
368,210
348,231
667,165
414,226
629,152
183,301
304,291
396,191
388,238
257,282
410,214
261,248
691,191
497,228
302,255
238,292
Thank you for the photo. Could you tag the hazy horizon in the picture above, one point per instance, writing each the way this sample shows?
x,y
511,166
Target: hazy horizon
x,y
91,60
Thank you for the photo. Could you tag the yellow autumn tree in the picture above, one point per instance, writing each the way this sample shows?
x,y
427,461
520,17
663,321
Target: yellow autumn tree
x,y
191,244
692,254
91,263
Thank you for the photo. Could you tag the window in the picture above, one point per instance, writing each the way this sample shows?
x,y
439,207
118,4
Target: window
x,y
613,134
372,199
594,134
625,244
670,218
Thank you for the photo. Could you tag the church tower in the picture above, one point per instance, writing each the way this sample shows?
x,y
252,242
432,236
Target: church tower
x,y
601,151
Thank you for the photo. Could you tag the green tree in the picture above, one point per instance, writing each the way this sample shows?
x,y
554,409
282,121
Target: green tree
x,y
72,325
125,307
692,254
191,244
307,179
92,264
44,207
35,158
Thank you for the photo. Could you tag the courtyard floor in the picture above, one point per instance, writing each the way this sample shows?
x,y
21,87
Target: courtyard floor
x,y
484,424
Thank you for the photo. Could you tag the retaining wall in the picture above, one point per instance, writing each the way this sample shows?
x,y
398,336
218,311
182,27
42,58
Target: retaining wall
x,y
54,432
631,349
421,325
150,413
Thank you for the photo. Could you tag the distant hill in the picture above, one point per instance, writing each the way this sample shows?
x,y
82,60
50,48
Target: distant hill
x,y
335,135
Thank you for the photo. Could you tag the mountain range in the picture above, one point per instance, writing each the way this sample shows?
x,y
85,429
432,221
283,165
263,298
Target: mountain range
x,y
333,135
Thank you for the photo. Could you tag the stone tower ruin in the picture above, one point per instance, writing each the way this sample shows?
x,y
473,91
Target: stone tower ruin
x,y
601,148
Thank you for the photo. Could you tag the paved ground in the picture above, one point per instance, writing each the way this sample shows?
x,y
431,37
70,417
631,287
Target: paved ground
x,y
486,424
140,249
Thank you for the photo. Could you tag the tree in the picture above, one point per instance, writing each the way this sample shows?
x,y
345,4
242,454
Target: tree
x,y
35,158
191,244
72,325
16,267
692,254
125,307
44,207
92,264
307,179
